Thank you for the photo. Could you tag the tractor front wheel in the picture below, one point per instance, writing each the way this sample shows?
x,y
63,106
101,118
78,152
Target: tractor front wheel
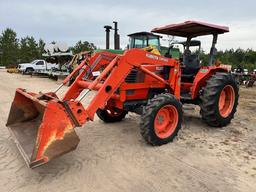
x,y
219,100
161,119
111,115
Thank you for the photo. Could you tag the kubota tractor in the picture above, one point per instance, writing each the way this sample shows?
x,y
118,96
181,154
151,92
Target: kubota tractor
x,y
137,81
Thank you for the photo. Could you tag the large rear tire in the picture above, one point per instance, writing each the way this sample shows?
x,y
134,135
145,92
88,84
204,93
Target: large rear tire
x,y
161,119
219,100
111,115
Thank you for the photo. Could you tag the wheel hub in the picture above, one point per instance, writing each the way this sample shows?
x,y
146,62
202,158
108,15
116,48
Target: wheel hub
x,y
160,119
166,121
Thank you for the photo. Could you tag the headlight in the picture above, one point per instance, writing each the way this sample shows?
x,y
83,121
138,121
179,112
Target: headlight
x,y
21,67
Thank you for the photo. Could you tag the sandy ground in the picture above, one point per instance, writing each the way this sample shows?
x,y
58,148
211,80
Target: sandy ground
x,y
114,157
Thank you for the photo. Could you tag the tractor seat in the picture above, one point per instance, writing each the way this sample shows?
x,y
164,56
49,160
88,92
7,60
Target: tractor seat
x,y
190,69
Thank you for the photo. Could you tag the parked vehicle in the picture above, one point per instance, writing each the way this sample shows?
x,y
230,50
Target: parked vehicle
x,y
246,72
38,66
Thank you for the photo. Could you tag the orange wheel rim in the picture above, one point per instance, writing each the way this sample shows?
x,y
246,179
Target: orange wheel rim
x,y
166,121
226,101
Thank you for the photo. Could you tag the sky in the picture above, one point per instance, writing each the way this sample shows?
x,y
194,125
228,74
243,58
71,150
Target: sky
x,y
71,21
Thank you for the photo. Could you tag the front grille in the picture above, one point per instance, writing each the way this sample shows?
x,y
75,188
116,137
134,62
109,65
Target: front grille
x,y
132,76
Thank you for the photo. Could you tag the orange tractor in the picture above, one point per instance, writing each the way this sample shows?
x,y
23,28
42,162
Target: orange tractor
x,y
137,81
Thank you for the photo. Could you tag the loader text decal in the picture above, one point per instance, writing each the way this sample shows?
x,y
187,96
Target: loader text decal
x,y
156,57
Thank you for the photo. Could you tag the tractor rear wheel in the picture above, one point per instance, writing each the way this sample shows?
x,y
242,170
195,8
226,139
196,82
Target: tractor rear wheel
x,y
219,100
161,119
111,115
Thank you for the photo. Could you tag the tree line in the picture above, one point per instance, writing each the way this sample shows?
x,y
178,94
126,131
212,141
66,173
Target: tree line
x,y
27,49
237,58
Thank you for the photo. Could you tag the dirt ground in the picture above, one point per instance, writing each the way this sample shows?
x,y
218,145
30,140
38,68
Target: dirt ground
x,y
114,157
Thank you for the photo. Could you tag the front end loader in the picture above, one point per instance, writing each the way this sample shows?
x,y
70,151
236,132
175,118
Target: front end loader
x,y
43,124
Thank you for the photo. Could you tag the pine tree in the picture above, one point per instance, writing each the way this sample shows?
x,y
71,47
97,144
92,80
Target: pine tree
x,y
28,49
83,46
9,46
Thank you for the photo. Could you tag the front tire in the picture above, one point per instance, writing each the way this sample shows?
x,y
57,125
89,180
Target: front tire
x,y
161,119
29,71
219,100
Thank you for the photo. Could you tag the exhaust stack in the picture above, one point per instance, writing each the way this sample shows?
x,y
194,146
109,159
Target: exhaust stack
x,y
107,27
116,36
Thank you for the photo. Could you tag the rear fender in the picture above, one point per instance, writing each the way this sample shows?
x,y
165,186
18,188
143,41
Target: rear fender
x,y
202,76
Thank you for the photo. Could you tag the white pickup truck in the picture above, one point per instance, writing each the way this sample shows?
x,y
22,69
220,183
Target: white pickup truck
x,y
37,66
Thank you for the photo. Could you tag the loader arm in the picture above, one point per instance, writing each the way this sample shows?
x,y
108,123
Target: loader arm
x,y
118,69
43,125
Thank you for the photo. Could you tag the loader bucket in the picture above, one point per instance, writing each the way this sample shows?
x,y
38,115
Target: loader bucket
x,y
42,129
